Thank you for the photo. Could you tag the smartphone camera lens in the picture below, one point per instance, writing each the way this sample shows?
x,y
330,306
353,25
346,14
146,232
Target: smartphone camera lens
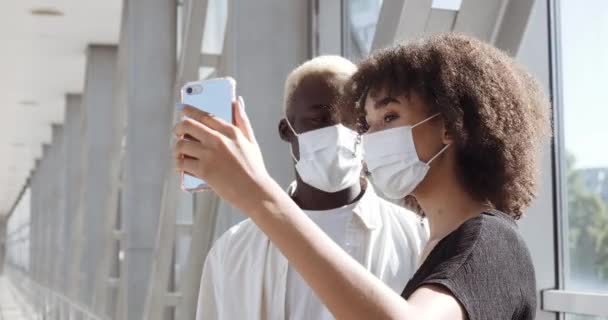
x,y
189,90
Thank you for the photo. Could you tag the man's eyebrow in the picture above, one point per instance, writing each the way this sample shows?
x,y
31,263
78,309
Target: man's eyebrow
x,y
321,106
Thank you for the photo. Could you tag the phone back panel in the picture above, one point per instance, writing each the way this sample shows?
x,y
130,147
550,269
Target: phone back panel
x,y
214,96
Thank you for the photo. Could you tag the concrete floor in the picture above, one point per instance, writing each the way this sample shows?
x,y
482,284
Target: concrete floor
x,y
11,302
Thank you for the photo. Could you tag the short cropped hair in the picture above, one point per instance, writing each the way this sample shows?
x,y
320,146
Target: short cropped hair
x,y
495,111
338,67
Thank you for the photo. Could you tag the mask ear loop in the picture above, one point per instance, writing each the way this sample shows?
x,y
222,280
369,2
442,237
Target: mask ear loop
x,y
359,105
290,127
358,143
292,155
426,120
296,134
438,154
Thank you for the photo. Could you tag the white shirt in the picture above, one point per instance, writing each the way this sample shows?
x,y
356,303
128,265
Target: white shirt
x,y
245,275
301,301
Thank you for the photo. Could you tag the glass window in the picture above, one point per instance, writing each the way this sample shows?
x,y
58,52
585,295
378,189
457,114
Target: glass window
x,y
183,216
215,27
583,26
214,33
181,11
453,5
360,27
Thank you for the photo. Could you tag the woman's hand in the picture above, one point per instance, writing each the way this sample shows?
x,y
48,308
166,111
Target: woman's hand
x,y
226,156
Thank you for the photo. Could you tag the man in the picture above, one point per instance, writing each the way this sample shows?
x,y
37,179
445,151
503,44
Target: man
x,y
246,277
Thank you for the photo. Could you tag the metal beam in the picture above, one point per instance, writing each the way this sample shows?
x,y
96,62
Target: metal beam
x,y
200,243
101,151
57,217
26,185
45,214
190,58
149,76
592,304
514,23
480,18
104,149
74,190
105,139
189,63
70,124
35,222
541,224
326,27
388,21
183,228
172,299
209,60
440,21
262,88
500,22
107,291
44,247
401,20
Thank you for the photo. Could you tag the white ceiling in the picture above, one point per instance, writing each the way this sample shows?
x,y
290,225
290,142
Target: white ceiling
x,y
41,59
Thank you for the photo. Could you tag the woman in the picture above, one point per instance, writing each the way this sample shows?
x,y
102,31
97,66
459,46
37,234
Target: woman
x,y
452,122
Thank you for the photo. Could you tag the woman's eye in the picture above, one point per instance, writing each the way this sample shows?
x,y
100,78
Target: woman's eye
x,y
390,117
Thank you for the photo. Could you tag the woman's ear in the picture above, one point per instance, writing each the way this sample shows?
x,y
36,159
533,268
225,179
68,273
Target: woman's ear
x,y
446,135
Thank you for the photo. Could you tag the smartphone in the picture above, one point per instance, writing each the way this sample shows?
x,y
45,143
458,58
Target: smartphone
x,y
214,96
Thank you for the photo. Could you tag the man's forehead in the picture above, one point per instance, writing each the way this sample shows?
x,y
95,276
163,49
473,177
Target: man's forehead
x,y
311,105
315,91
317,84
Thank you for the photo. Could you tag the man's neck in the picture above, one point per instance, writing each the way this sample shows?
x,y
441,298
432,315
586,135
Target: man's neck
x,y
311,198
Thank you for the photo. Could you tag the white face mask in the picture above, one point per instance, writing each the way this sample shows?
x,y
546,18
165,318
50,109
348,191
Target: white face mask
x,y
330,157
393,162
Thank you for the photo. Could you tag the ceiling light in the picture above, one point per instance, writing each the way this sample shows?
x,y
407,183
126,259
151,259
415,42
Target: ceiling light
x,y
28,103
46,12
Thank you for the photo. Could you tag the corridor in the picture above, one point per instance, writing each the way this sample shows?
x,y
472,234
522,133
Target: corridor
x,y
13,306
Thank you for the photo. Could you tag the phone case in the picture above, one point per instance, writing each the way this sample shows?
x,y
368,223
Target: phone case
x,y
214,96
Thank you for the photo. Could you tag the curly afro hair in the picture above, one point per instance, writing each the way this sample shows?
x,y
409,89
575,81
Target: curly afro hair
x,y
495,111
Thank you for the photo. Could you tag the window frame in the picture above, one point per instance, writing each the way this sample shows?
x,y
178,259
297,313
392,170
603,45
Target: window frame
x,y
562,300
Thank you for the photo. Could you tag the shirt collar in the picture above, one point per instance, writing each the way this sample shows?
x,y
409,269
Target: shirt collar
x,y
364,210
